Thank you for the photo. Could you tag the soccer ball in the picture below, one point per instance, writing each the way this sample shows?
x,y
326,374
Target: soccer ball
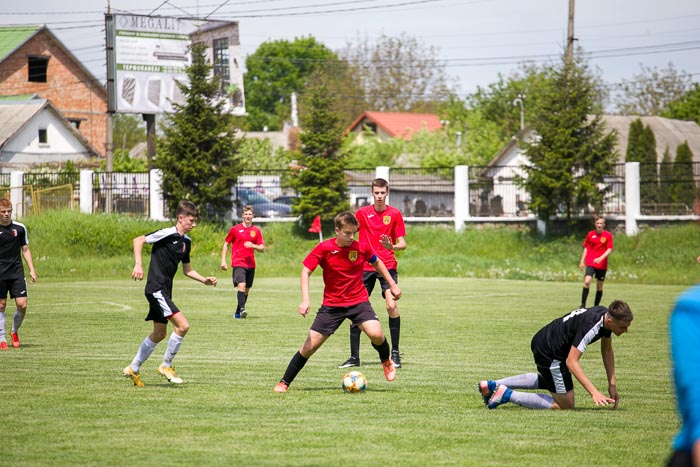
x,y
354,381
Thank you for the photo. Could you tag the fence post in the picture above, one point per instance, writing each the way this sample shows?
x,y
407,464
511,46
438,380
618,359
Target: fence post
x,y
632,206
461,203
86,201
156,195
17,193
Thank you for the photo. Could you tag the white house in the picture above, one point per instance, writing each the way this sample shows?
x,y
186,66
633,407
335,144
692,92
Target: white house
x,y
33,131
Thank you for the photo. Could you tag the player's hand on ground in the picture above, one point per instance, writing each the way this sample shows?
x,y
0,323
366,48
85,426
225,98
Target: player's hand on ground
x,y
211,280
614,395
601,399
304,307
137,273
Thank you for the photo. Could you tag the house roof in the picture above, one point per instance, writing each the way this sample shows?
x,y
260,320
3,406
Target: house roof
x,y
15,115
398,124
13,37
667,131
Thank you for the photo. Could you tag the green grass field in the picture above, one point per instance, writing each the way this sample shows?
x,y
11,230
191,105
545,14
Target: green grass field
x,y
64,401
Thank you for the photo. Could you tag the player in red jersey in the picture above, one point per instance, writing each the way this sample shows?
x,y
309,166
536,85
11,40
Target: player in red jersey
x,y
382,227
596,248
344,296
245,239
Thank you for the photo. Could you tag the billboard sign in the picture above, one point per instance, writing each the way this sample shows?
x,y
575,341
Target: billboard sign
x,y
151,54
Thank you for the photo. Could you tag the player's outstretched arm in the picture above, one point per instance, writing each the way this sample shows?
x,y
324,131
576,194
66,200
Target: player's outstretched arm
x,y
574,365
194,275
384,272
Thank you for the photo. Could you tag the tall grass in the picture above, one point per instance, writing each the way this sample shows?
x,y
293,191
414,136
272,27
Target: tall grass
x,y
73,246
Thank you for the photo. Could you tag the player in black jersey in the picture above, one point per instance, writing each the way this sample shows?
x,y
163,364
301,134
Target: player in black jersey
x,y
13,243
557,349
170,247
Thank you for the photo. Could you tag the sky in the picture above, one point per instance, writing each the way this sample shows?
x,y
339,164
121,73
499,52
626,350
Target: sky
x,y
476,39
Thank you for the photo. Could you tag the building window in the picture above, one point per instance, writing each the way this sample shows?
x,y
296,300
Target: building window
x,y
221,63
75,122
37,67
43,136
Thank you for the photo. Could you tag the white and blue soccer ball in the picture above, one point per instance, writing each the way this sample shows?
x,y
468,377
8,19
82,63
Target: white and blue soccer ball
x,y
354,381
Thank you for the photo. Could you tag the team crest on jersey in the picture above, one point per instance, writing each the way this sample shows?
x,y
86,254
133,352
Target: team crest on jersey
x,y
14,232
352,255
603,239
252,233
387,220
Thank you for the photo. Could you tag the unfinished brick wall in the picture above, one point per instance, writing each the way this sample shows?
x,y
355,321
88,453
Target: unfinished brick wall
x,y
70,89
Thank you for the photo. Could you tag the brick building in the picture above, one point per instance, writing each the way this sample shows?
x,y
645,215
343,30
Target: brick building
x,y
34,61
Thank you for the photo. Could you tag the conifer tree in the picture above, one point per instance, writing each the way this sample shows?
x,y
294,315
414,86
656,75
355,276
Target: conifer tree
x,y
199,152
649,190
666,178
684,190
635,133
572,153
321,184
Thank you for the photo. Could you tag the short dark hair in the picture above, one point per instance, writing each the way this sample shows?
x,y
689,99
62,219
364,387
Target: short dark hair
x,y
346,218
620,311
186,208
380,182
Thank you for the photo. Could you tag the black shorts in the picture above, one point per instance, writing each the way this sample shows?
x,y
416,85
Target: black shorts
x,y
161,307
599,274
555,377
329,318
240,275
16,287
370,279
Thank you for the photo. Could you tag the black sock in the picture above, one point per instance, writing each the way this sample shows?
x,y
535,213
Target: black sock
x,y
295,365
355,334
241,300
383,350
598,297
584,296
395,331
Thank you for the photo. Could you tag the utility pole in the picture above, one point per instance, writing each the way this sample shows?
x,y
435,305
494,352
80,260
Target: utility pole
x,y
570,35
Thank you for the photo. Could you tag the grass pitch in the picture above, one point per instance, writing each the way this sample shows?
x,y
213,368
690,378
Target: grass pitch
x,y
65,402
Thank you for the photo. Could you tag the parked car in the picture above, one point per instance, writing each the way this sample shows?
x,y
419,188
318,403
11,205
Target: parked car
x,y
263,206
286,199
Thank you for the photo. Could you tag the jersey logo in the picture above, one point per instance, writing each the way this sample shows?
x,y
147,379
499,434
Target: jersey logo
x,y
252,233
352,255
14,232
387,220
603,239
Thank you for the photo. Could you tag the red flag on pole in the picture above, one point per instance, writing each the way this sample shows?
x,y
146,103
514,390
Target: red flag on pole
x,y
316,225
316,228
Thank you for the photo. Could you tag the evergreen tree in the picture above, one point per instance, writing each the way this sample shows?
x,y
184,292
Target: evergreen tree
x,y
635,133
199,154
649,191
572,153
321,184
666,178
684,189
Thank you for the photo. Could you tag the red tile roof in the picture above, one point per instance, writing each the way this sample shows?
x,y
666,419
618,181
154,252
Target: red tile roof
x,y
399,124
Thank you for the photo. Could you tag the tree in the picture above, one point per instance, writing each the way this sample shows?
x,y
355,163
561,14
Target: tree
x,y
666,178
687,107
684,189
321,184
129,130
198,154
635,133
641,147
571,154
276,70
651,91
396,74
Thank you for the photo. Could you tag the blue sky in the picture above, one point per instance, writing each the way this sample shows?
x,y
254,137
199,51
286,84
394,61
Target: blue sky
x,y
477,39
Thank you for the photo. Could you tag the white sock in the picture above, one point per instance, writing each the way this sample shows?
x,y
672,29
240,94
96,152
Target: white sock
x,y
174,344
145,351
3,332
17,321
524,381
532,400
